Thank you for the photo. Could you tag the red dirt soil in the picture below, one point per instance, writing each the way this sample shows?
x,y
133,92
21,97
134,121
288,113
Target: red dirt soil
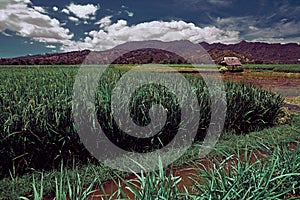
x,y
189,172
286,84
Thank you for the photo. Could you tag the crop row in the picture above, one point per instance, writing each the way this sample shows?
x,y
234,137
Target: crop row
x,y
38,130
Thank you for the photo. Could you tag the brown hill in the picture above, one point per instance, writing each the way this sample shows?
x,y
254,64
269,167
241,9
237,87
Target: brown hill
x,y
149,55
261,52
128,53
75,57
169,52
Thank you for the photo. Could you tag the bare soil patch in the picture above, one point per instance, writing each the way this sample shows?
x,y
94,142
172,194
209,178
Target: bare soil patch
x,y
287,84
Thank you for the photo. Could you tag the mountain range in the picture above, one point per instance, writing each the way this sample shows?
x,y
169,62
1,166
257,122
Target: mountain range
x,y
169,53
257,52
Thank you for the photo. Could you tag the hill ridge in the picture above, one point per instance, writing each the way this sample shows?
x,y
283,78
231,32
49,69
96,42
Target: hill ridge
x,y
247,52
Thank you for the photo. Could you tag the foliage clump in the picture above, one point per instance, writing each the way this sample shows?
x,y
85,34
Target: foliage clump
x,y
38,131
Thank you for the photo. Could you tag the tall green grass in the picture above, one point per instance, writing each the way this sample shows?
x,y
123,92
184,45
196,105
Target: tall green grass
x,y
273,140
238,176
247,176
67,186
37,129
36,125
155,185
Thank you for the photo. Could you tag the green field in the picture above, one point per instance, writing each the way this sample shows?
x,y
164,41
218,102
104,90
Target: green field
x,y
288,68
38,131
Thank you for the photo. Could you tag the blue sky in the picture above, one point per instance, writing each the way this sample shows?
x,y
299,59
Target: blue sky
x,y
43,26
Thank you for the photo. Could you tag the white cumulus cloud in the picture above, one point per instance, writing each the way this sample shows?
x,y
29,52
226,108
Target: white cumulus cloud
x,y
51,46
220,2
31,22
55,8
66,11
39,9
112,34
130,14
83,11
104,22
257,29
74,19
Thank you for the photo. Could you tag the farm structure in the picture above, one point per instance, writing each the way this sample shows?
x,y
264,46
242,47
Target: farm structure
x,y
233,62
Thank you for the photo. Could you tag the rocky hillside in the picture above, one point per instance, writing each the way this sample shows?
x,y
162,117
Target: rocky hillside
x,y
218,55
258,52
75,57
156,52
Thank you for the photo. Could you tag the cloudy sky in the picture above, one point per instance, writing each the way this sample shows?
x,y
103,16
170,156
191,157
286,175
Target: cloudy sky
x,y
43,26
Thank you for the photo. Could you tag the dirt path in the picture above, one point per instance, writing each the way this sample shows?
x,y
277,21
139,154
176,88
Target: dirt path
x,y
286,84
